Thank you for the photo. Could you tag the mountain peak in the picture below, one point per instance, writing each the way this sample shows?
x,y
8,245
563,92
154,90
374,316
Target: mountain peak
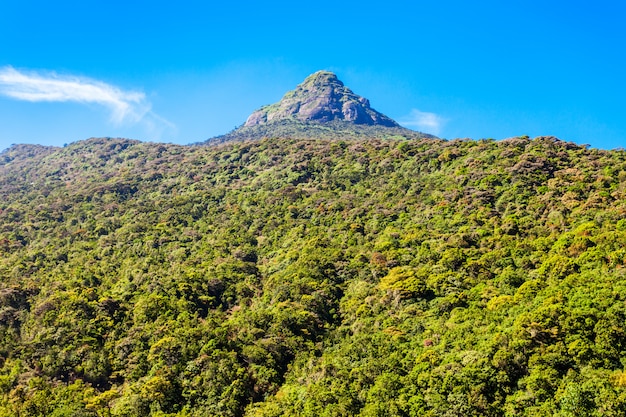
x,y
321,107
321,98
322,77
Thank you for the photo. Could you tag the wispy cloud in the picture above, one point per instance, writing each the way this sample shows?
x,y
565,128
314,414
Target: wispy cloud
x,y
423,121
125,106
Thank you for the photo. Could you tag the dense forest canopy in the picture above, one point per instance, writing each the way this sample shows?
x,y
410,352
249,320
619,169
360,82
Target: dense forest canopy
x,y
313,278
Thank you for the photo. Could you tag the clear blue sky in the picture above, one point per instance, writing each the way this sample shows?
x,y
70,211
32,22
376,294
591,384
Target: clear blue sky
x,y
185,71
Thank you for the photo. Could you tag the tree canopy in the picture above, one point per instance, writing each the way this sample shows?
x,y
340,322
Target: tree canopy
x,y
287,277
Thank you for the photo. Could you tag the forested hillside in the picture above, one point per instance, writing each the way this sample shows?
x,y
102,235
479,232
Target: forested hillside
x,y
313,278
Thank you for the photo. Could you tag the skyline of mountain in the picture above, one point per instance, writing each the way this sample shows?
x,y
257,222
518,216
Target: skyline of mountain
x,y
168,74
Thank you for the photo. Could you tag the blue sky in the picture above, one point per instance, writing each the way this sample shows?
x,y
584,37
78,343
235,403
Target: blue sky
x,y
188,70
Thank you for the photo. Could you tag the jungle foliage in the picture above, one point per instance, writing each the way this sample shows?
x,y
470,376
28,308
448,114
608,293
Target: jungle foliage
x,y
289,277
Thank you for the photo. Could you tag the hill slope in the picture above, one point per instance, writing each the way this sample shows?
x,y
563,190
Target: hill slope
x,y
313,278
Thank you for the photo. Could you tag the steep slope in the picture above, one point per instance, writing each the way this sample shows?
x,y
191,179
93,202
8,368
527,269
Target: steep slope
x,y
323,98
305,278
320,107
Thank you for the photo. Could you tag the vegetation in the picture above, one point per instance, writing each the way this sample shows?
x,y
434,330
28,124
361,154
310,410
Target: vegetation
x,y
292,128
288,277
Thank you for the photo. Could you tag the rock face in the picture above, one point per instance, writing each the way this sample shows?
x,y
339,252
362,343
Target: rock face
x,y
322,98
322,107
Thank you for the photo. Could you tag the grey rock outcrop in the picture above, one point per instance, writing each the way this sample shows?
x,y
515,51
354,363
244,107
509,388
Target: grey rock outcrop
x,y
322,98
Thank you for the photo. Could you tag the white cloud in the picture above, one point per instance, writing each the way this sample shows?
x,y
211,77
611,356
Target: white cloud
x,y
423,121
125,106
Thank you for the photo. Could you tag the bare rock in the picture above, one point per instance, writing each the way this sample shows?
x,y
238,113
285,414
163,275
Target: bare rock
x,y
322,98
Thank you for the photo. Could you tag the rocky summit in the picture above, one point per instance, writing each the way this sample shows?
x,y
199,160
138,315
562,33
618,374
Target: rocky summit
x,y
321,107
322,97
